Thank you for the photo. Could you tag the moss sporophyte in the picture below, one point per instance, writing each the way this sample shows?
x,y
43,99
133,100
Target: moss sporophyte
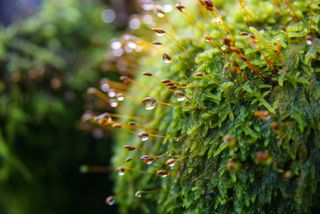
x,y
220,110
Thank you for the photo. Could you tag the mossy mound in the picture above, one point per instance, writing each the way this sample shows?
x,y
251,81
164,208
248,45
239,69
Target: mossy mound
x,y
246,138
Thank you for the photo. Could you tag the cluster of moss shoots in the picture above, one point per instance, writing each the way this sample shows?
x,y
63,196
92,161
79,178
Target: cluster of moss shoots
x,y
223,111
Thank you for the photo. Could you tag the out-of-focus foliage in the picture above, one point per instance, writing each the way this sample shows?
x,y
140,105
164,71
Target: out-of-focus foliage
x,y
46,63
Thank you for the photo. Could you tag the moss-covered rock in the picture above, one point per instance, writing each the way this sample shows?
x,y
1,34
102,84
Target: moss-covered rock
x,y
246,138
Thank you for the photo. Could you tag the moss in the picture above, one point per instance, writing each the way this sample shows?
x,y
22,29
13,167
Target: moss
x,y
248,131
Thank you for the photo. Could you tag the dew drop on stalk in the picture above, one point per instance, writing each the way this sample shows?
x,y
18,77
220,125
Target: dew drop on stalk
x,y
148,159
132,123
121,170
144,136
217,20
160,13
112,93
171,162
104,86
149,103
110,200
176,139
208,38
138,194
166,58
116,45
180,96
120,97
163,173
113,102
309,39
159,32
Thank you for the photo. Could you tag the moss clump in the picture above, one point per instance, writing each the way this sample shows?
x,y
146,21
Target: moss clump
x,y
249,134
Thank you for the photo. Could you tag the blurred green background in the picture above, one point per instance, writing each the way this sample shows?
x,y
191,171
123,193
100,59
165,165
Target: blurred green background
x,y
50,53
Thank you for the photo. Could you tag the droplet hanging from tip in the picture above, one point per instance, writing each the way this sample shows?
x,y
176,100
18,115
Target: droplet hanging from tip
x,y
171,162
166,58
110,200
163,173
121,170
149,103
144,136
148,159
159,32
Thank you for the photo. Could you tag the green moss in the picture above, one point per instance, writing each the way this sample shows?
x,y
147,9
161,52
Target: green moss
x,y
229,159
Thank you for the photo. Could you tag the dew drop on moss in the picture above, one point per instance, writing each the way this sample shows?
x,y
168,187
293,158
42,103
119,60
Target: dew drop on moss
x,y
163,173
144,136
166,58
148,159
171,162
149,103
121,170
110,200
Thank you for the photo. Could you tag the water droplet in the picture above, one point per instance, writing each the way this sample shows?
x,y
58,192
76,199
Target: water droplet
x,y
132,123
309,41
166,58
149,103
163,173
112,93
117,52
180,7
116,45
108,15
138,194
113,102
110,200
208,38
217,20
97,133
104,118
171,162
134,23
176,139
160,13
180,96
148,159
121,170
144,136
104,86
120,97
159,31
167,8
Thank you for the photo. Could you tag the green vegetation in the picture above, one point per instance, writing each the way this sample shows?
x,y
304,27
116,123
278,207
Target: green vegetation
x,y
246,138
47,62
